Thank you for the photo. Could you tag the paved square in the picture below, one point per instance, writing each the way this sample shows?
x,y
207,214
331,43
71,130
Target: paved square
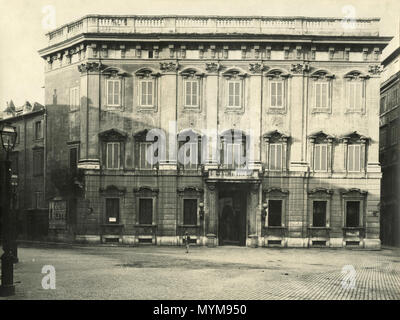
x,y
148,272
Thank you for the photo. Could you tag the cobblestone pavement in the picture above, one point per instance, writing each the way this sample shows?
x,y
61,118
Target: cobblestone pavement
x,y
88,272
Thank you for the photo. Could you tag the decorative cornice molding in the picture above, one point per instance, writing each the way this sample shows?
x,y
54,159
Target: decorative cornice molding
x,y
256,67
300,68
144,189
169,66
375,69
276,189
213,67
113,189
320,190
351,191
90,67
189,189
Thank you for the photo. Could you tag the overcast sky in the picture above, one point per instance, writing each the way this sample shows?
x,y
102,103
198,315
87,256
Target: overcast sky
x,y
22,32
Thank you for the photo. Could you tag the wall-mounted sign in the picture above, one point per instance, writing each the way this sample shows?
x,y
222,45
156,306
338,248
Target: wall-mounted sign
x,y
57,214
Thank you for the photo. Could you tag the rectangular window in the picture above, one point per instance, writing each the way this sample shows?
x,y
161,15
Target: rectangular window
x,y
73,159
355,95
113,92
383,104
190,211
352,213
38,199
382,137
276,94
112,210
276,157
113,155
38,162
38,130
145,211
234,154
146,93
320,157
191,93
321,95
74,98
354,158
393,134
144,151
275,213
319,213
190,150
234,93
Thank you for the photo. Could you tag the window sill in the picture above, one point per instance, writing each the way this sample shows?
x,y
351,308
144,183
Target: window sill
x,y
188,226
320,110
359,111
319,228
112,224
234,110
281,110
275,227
138,225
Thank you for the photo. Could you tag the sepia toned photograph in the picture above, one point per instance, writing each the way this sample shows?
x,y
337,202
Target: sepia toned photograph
x,y
199,155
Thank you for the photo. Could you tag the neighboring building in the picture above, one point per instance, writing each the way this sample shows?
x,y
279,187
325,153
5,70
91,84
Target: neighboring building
x,y
28,169
296,98
389,145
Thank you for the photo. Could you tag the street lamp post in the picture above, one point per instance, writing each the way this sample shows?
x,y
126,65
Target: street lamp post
x,y
8,136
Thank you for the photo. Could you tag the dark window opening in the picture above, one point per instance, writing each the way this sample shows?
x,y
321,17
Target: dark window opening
x,y
38,130
274,213
319,213
150,54
112,210
145,211
73,159
38,162
190,211
352,213
274,242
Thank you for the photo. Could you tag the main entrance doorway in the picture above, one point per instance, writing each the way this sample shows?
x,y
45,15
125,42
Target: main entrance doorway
x,y
232,214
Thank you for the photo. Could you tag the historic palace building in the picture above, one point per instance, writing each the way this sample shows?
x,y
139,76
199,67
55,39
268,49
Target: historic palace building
x,y
389,145
259,131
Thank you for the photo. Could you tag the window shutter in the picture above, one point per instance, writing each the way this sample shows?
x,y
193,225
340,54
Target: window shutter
x,y
357,158
279,94
324,157
317,157
109,92
279,157
237,94
116,92
187,92
194,93
273,94
362,157
318,95
350,156
231,93
324,95
150,93
143,93
272,163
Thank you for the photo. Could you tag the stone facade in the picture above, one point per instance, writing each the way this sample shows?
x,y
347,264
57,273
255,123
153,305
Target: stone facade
x,y
302,92
389,147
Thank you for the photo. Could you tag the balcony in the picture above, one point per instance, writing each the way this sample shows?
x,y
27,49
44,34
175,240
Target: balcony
x,y
214,25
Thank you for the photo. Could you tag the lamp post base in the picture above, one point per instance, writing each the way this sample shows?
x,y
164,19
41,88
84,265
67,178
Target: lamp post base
x,y
6,291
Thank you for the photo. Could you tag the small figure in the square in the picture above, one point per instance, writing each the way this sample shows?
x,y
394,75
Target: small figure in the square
x,y
186,241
